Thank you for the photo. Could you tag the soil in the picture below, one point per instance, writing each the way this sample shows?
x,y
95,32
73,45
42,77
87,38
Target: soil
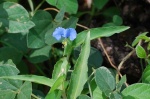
x,y
136,14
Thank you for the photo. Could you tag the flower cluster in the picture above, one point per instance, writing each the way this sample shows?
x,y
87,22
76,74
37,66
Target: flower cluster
x,y
66,33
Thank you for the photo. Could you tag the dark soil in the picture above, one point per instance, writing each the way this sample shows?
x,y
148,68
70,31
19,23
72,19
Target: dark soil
x,y
136,14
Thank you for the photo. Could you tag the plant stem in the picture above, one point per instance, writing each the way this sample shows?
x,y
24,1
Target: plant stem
x,y
89,84
34,96
39,5
31,6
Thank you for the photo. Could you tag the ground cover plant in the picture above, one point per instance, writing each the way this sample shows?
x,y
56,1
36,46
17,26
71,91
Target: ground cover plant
x,y
46,54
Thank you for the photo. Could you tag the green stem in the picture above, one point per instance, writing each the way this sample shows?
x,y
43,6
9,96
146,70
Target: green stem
x,y
31,6
89,84
34,96
39,5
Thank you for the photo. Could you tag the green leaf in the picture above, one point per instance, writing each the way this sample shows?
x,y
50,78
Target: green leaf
x,y
14,18
121,82
95,59
54,95
60,68
70,23
7,94
9,69
115,95
7,53
146,75
42,20
104,80
25,91
68,48
140,51
98,32
71,6
60,16
40,55
59,82
97,94
11,88
137,91
117,20
79,75
32,78
139,37
12,0
100,3
83,97
15,39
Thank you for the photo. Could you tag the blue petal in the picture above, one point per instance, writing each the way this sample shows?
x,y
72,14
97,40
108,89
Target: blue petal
x,y
71,33
58,33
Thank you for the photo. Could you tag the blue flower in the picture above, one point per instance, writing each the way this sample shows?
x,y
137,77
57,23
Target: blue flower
x,y
66,33
58,33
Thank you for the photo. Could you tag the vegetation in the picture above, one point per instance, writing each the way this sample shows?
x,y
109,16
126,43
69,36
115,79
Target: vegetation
x,y
46,54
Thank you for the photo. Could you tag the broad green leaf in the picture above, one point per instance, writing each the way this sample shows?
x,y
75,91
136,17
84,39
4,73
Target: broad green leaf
x,y
146,75
60,16
98,32
100,3
36,35
121,82
83,97
104,80
137,91
140,51
25,91
60,68
71,6
49,39
7,94
11,88
97,94
14,18
117,20
15,39
32,78
7,53
40,55
70,23
79,75
95,58
9,69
